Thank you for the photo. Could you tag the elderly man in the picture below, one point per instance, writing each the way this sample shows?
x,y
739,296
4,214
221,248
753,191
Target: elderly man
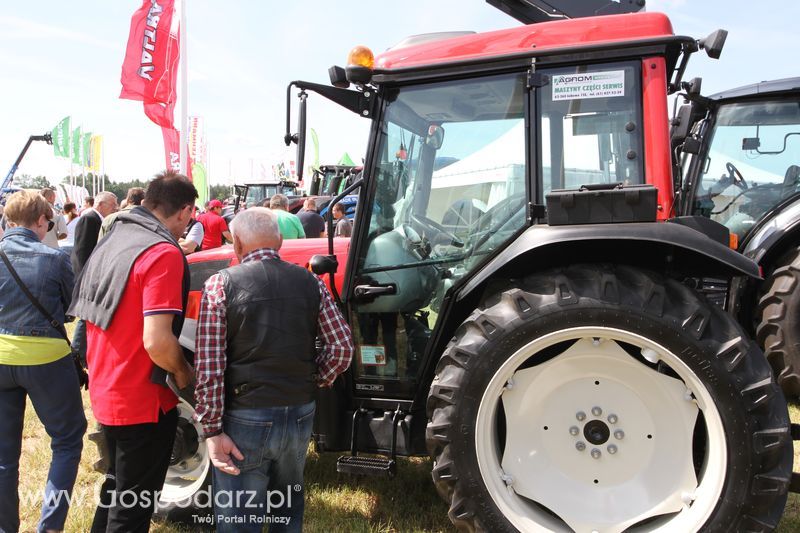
x,y
289,224
132,199
257,369
87,230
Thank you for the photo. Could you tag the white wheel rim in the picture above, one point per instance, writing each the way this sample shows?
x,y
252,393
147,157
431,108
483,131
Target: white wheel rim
x,y
651,481
185,479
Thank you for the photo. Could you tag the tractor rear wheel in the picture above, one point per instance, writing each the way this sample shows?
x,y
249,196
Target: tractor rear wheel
x,y
778,329
600,398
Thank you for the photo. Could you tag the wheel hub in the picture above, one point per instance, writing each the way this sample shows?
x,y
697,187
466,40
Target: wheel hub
x,y
596,432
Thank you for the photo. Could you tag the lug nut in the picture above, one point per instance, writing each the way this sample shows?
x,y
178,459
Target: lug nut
x,y
574,430
596,411
596,453
581,416
612,419
619,434
612,449
580,445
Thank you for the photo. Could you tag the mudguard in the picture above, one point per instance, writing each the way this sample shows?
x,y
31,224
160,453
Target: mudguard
x,y
772,231
657,246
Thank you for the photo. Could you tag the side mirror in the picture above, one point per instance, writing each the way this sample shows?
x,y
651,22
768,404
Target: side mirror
x,y
435,136
323,264
714,43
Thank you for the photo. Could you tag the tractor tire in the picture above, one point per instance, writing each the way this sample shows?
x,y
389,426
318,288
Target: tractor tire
x,y
778,329
607,398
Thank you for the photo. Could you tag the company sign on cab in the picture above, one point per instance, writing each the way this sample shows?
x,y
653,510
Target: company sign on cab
x,y
589,85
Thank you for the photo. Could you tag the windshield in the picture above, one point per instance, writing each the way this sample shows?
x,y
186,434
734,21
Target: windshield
x,y
752,163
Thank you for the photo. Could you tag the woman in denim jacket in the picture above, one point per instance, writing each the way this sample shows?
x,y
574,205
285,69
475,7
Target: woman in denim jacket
x,y
35,362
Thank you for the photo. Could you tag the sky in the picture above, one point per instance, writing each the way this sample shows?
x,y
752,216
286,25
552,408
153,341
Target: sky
x,y
64,58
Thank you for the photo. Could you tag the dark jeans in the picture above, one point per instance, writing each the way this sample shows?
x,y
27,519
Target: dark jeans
x,y
55,395
138,461
269,489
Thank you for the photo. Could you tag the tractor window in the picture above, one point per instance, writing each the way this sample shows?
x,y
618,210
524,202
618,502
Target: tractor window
x,y
449,188
753,163
591,126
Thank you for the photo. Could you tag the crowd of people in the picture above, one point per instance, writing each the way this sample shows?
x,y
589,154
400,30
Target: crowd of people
x,y
268,335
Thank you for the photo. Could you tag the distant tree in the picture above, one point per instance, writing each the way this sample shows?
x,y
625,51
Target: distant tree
x,y
219,192
26,181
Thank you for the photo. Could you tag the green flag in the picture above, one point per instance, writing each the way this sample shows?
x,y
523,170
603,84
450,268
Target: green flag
x,y
345,160
61,138
200,182
87,149
77,156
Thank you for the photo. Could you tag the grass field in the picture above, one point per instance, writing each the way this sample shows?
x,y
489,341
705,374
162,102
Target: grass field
x,y
334,503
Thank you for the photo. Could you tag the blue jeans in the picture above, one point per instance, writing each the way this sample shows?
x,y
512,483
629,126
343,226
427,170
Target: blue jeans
x,y
269,488
55,395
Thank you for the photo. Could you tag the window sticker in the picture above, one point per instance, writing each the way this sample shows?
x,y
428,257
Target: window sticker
x,y
588,85
373,355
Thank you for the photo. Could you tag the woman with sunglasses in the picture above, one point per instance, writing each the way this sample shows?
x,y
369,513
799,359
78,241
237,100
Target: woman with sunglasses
x,y
35,360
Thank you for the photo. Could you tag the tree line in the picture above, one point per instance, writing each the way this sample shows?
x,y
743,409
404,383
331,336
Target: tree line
x,y
120,188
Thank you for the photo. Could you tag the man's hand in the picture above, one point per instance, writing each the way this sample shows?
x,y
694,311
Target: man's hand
x,y
220,449
184,377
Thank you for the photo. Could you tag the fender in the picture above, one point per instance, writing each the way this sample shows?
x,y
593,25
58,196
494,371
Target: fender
x,y
656,246
772,232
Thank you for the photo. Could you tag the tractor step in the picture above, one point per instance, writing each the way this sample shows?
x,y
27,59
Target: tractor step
x,y
366,466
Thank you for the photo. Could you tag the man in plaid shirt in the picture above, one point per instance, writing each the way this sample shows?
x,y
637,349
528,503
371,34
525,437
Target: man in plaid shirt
x,y
257,369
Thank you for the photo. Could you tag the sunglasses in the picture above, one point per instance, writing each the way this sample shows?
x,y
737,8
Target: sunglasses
x,y
50,225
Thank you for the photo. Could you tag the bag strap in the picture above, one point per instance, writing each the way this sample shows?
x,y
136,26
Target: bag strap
x,y
53,322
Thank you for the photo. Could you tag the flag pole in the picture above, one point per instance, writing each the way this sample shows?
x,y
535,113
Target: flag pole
x,y
184,133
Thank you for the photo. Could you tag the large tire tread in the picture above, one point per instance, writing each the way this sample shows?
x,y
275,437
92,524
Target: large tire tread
x,y
778,328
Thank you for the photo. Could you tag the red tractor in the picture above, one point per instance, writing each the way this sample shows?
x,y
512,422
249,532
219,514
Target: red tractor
x,y
528,314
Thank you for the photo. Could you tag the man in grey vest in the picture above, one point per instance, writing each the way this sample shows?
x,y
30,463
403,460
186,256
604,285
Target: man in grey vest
x,y
257,370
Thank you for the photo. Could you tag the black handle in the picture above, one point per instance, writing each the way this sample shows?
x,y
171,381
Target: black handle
x,y
372,291
601,186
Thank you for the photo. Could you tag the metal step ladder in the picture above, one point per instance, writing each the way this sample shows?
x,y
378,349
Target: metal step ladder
x,y
370,466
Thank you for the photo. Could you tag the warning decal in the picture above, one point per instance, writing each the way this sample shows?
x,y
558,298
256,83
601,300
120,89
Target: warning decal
x,y
589,85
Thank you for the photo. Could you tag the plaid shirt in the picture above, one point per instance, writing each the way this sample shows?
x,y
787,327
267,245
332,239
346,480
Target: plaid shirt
x,y
210,357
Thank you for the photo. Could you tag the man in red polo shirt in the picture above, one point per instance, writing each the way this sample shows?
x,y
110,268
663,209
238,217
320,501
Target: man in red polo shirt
x,y
214,226
132,294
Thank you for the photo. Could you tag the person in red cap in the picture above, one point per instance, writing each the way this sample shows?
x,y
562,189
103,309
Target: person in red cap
x,y
214,226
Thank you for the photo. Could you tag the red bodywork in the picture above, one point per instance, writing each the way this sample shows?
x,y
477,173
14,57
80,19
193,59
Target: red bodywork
x,y
297,251
570,33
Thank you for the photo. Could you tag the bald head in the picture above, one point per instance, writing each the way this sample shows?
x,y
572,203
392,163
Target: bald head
x,y
254,228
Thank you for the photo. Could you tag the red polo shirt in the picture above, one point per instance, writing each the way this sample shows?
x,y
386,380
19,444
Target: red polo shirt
x,y
213,226
119,366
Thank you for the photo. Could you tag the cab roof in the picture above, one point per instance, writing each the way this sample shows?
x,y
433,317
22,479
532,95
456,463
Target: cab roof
x,y
772,87
570,33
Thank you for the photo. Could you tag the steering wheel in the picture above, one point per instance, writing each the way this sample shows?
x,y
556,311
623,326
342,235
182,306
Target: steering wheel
x,y
429,224
736,176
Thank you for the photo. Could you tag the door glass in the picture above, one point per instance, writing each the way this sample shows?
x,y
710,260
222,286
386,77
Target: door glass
x,y
753,163
591,126
449,189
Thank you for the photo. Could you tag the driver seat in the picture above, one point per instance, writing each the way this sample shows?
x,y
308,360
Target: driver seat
x,y
790,181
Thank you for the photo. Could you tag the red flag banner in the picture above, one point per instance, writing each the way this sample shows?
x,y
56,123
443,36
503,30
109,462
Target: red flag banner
x,y
150,69
151,59
172,146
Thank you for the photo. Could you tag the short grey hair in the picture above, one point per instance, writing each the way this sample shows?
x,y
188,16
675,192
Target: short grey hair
x,y
255,224
279,201
105,197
